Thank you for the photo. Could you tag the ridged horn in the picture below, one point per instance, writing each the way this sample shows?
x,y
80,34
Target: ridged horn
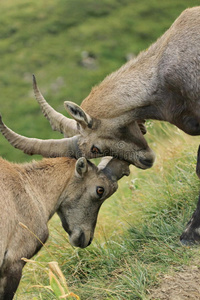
x,y
57,121
46,148
114,168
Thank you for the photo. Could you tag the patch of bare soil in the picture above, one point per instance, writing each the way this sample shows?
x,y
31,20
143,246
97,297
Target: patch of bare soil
x,y
180,286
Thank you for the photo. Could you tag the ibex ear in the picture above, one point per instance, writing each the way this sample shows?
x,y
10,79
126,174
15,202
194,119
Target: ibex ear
x,y
81,167
78,114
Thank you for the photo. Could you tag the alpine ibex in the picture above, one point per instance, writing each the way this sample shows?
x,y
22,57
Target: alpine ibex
x,y
162,83
191,234
31,193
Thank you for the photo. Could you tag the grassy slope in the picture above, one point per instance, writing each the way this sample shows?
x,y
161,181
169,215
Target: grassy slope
x,y
138,228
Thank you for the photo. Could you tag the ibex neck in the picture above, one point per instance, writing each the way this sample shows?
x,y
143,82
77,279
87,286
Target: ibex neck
x,y
133,85
47,179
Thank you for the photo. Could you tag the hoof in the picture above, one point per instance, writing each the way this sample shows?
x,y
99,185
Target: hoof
x,y
185,242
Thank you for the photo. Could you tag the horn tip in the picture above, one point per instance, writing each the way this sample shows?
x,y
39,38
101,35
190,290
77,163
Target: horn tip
x,y
34,81
66,104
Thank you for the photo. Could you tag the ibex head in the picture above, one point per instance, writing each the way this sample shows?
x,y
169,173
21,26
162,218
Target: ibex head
x,y
80,206
88,136
113,137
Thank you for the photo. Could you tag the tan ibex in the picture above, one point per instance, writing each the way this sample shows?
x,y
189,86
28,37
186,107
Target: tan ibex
x,y
31,193
162,83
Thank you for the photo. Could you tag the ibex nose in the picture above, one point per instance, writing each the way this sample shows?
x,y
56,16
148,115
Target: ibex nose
x,y
80,239
146,158
147,163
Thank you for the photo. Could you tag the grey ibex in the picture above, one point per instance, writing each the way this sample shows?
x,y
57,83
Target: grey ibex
x,y
31,193
162,83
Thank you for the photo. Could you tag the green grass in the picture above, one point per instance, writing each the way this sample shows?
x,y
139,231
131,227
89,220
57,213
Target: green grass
x,y
137,235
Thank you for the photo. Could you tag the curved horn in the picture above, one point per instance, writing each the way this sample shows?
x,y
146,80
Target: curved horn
x,y
57,121
114,168
47,148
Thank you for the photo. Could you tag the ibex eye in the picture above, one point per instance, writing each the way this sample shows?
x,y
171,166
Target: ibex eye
x,y
95,150
100,191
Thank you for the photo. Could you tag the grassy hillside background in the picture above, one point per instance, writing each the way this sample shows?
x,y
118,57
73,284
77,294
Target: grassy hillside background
x,y
136,240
